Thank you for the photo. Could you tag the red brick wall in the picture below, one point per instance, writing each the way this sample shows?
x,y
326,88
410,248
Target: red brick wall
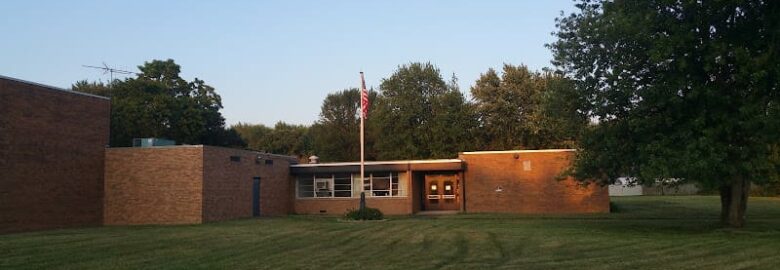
x,y
154,185
228,184
51,157
339,206
533,191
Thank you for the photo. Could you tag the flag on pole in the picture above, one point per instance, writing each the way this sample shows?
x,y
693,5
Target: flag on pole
x,y
363,97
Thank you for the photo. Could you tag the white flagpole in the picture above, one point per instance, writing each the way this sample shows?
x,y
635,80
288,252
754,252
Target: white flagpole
x,y
362,135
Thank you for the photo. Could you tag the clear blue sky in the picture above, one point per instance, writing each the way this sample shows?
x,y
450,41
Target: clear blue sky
x,y
273,60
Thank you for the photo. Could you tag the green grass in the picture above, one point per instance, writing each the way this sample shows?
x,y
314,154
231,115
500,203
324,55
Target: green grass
x,y
647,233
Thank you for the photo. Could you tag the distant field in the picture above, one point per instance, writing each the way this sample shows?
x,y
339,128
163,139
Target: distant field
x,y
646,233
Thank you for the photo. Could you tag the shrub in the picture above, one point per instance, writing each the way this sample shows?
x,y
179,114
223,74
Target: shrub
x,y
367,214
613,207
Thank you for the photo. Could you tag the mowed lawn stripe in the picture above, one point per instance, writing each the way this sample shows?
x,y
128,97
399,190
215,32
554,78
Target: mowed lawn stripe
x,y
646,233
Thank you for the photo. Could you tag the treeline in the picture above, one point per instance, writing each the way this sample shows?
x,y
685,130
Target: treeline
x,y
416,114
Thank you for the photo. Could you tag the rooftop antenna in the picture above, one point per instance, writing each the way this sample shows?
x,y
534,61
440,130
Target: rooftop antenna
x,y
110,71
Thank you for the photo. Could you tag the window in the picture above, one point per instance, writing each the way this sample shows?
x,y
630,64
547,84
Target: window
x,y
382,185
324,185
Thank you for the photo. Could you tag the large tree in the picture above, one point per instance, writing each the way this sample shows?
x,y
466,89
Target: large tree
x,y
418,115
159,103
683,90
336,134
522,109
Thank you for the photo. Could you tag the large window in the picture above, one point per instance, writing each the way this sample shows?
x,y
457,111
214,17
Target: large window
x,y
383,185
324,185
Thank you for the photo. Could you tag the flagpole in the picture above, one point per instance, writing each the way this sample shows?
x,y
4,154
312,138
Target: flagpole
x,y
362,135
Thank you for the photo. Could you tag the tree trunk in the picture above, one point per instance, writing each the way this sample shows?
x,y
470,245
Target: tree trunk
x,y
733,202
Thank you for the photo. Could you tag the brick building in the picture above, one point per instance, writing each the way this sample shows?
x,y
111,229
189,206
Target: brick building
x,y
55,171
52,143
521,181
193,184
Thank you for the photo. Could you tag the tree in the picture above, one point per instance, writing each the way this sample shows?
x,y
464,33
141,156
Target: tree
x,y
336,134
684,90
159,103
417,115
522,109
283,138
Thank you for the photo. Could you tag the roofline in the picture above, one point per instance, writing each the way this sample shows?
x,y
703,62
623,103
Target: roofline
x,y
389,162
292,158
519,151
52,87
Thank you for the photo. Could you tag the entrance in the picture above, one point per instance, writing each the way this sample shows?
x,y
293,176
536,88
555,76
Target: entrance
x,y
256,196
441,192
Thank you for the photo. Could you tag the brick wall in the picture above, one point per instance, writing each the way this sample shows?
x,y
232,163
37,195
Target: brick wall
x,y
339,206
228,184
155,185
528,184
51,157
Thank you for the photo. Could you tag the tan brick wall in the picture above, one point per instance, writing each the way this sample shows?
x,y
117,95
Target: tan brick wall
x,y
51,157
337,206
157,185
533,191
228,184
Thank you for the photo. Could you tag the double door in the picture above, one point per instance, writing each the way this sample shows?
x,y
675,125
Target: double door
x,y
441,192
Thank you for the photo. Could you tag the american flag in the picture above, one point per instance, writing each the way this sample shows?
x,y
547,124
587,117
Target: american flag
x,y
363,97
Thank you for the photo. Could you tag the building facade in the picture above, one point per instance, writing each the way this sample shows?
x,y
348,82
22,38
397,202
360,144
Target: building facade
x,y
193,184
52,143
57,171
521,181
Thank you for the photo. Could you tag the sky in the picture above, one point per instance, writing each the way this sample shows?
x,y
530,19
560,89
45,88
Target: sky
x,y
274,60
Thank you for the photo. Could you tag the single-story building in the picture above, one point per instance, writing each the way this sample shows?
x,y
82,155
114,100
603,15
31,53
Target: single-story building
x,y
193,184
519,181
57,171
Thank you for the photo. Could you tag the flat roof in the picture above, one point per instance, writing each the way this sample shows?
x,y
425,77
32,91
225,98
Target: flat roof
x,y
519,151
52,87
376,166
291,158
390,162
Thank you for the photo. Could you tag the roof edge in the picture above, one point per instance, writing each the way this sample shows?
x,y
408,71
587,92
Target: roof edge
x,y
389,162
519,151
52,87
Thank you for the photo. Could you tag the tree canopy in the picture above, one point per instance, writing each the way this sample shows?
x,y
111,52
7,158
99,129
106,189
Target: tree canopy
x,y
522,109
283,138
418,115
683,90
336,134
159,103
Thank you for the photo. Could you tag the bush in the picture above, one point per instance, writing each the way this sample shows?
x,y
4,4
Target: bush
x,y
367,214
613,207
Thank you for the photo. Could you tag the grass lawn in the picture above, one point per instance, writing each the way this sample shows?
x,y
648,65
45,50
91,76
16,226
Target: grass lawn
x,y
646,233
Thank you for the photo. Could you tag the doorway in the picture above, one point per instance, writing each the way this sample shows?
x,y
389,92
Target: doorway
x,y
441,192
256,196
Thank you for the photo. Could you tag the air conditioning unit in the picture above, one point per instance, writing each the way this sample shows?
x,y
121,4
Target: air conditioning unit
x,y
150,142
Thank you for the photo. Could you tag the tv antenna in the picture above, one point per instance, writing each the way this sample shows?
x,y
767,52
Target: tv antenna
x,y
110,71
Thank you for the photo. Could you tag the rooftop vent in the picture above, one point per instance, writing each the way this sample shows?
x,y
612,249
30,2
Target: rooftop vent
x,y
149,142
314,159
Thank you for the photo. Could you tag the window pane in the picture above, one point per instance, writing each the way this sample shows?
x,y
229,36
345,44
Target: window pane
x,y
306,186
